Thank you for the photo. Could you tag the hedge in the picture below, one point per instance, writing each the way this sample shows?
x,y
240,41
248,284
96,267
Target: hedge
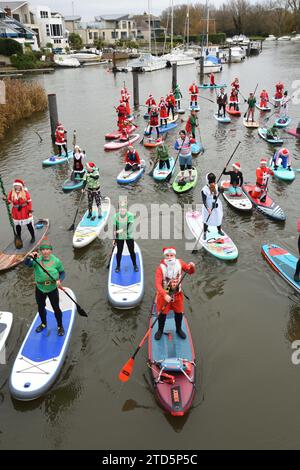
x,y
9,47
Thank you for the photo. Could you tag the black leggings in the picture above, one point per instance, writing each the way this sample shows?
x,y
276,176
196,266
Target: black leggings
x,y
163,162
54,301
60,147
219,227
120,246
298,263
161,122
171,107
221,106
30,228
150,131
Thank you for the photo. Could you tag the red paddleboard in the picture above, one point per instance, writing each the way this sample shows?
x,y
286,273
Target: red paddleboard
x,y
294,133
233,111
117,134
120,143
152,142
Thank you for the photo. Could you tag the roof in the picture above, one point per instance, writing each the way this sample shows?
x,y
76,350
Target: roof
x,y
72,18
12,5
111,17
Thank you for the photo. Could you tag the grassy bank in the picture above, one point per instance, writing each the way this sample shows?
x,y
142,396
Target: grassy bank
x,y
22,100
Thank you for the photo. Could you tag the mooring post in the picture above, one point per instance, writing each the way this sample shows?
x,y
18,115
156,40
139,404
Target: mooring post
x,y
248,49
201,61
114,68
53,114
174,76
229,58
135,77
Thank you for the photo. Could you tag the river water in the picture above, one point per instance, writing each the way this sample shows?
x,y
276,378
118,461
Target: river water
x,y
243,317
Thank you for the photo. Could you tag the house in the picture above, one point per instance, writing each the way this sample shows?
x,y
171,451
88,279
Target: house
x,y
116,27
11,27
51,27
72,23
142,25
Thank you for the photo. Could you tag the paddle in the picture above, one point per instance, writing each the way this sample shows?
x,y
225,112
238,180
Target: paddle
x,y
194,250
200,140
127,369
17,240
239,91
114,244
71,229
276,110
249,106
208,99
170,174
80,310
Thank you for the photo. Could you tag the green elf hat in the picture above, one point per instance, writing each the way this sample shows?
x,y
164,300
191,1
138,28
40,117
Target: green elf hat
x,y
46,244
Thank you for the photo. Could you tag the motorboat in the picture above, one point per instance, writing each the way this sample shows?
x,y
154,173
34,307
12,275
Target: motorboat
x,y
177,57
284,38
238,54
146,63
296,38
211,64
271,37
86,56
66,61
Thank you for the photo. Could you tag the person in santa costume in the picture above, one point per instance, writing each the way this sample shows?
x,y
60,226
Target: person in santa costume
x,y
212,210
236,179
132,159
91,181
234,100
21,212
78,158
264,98
169,295
285,157
171,102
279,90
60,139
235,84
154,120
163,111
45,286
194,91
150,102
125,98
263,174
122,114
212,79
191,124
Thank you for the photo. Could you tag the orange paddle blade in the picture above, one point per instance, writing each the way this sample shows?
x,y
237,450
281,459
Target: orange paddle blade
x,y
126,370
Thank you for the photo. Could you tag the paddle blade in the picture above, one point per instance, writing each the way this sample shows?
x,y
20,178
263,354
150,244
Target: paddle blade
x,y
81,312
126,371
71,229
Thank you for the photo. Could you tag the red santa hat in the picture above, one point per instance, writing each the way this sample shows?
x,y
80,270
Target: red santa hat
x,y
236,165
284,151
169,250
18,182
263,161
90,166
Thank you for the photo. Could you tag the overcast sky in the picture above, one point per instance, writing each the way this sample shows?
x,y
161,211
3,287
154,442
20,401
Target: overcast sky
x,y
87,9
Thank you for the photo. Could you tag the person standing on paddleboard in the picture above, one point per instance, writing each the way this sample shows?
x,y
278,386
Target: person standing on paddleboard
x,y
236,180
234,100
222,102
150,102
263,174
251,107
194,91
171,103
185,156
91,181
279,90
264,98
60,139
45,286
191,124
297,272
212,205
163,111
122,114
177,96
21,212
78,158
162,153
125,98
154,120
235,85
123,231
212,79
132,159
284,107
169,292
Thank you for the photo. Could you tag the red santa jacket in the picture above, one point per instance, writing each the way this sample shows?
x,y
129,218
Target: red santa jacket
x,y
163,109
60,136
233,98
171,100
161,284
193,90
235,85
262,176
21,207
150,101
132,157
121,110
154,117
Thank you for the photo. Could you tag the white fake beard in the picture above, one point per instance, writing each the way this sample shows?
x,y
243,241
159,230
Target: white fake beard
x,y
171,264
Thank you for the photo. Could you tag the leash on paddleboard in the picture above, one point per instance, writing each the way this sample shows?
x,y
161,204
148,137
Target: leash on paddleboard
x,y
80,310
17,240
127,369
194,249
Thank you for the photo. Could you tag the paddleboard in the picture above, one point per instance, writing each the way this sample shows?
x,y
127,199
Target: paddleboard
x,y
294,133
250,124
42,355
129,176
277,101
150,142
57,160
172,365
194,108
180,110
221,247
265,109
10,256
71,184
262,132
241,203
6,319
282,122
87,229
281,173
196,148
283,262
126,288
161,175
120,143
118,134
188,185
207,85
223,120
162,129
233,111
268,208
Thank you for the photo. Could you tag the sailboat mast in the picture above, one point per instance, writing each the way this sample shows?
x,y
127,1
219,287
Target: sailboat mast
x,y
172,23
188,24
207,23
149,20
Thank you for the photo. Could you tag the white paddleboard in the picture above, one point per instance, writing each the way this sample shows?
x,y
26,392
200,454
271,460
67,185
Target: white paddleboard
x,y
6,319
87,229
42,355
241,203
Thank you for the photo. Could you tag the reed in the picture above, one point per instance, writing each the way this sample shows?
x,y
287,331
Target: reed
x,y
22,100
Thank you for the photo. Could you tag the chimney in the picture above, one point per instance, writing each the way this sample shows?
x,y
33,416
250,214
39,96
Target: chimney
x,y
7,11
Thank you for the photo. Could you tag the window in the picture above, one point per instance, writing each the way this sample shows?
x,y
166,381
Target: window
x,y
16,16
44,14
124,25
57,41
103,35
26,18
114,34
56,30
47,30
91,36
95,36
123,34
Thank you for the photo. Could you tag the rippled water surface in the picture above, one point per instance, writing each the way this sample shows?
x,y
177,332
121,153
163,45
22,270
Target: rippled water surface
x,y
243,317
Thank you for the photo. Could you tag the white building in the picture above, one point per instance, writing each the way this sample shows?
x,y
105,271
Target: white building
x,y
51,26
